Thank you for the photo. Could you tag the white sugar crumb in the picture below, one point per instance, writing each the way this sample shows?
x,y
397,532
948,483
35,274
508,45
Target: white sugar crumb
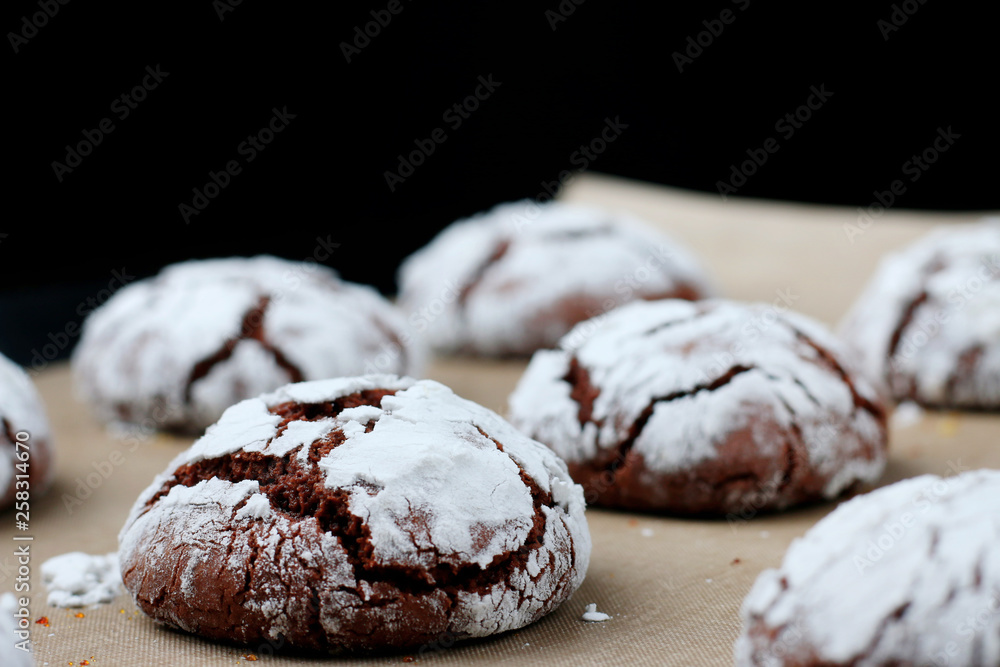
x,y
906,415
765,534
257,507
591,615
77,579
708,581
647,532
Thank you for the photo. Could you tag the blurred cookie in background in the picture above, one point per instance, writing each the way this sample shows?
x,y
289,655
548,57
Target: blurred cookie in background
x,y
516,278
928,322
26,464
177,349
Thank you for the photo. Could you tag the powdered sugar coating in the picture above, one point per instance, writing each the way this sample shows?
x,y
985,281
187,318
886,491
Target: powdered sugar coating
x,y
908,574
76,579
21,409
181,347
10,654
517,277
437,484
670,383
928,323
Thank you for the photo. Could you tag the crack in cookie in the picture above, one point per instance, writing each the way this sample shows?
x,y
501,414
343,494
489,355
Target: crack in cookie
x,y
640,423
582,392
251,328
480,272
877,409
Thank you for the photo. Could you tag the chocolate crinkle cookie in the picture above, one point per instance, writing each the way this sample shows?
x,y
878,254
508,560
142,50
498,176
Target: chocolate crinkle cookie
x,y
26,457
928,323
514,279
353,514
712,408
906,575
174,351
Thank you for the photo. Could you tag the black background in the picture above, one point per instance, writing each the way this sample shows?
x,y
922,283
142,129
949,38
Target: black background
x,y
324,175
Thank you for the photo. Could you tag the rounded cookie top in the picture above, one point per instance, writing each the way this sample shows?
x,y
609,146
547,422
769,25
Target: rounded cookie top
x,y
22,412
514,279
706,407
179,348
908,574
928,323
357,513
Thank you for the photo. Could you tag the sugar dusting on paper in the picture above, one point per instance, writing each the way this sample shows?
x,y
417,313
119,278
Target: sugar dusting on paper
x,y
591,615
77,579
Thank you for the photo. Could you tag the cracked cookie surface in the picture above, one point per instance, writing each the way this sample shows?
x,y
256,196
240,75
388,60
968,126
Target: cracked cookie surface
x,y
712,407
514,279
356,513
908,574
927,323
179,348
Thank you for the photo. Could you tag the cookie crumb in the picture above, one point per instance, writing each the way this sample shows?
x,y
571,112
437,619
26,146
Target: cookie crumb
x,y
76,579
591,615
906,414
736,561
